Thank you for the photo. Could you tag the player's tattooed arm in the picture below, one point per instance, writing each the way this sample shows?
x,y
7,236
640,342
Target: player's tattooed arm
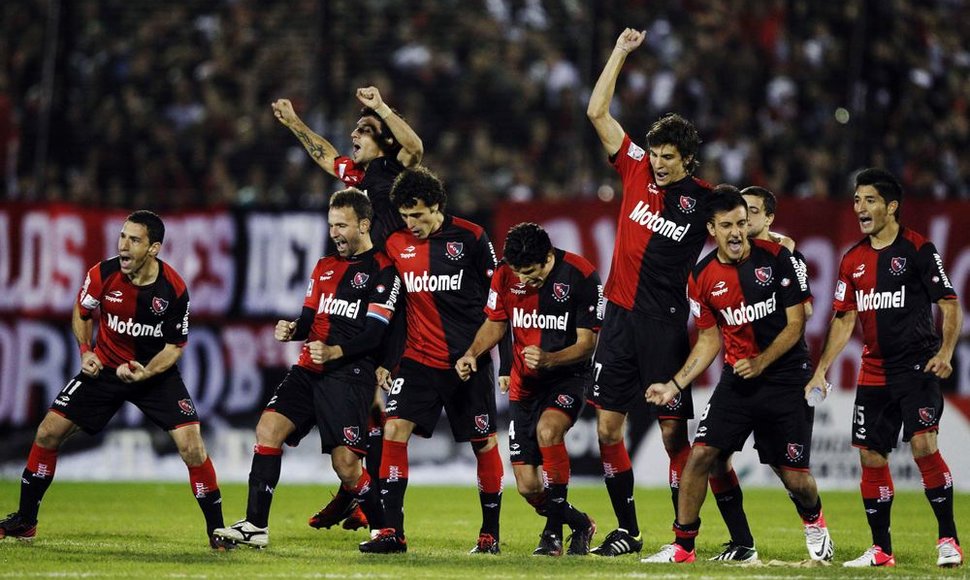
x,y
321,150
701,356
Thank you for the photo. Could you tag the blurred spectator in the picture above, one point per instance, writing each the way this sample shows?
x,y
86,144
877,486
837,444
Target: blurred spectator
x,y
168,104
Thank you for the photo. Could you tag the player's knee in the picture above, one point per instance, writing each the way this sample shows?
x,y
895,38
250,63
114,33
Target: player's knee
x,y
609,434
923,445
874,459
396,430
347,467
801,484
48,438
702,458
674,435
529,488
270,434
193,453
549,435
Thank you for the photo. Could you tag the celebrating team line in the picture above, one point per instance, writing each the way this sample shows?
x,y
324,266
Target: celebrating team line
x,y
412,300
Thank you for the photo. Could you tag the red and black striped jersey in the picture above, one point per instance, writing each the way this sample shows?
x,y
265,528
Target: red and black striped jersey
x,y
748,301
344,292
376,181
136,322
659,234
447,278
892,290
547,317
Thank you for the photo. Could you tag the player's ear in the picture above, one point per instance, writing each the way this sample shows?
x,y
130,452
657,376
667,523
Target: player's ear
x,y
710,228
363,226
154,249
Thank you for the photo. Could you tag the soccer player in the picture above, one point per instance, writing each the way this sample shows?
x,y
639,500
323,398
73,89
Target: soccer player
x,y
144,324
659,235
749,295
888,281
383,145
349,302
552,300
724,481
446,264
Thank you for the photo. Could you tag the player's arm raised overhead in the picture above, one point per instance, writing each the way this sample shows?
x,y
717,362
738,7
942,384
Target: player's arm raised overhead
x,y
322,151
609,130
412,149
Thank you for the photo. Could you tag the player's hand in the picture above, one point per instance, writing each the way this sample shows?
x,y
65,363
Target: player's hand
x,y
383,378
284,330
91,365
504,383
630,39
939,366
321,353
284,113
816,381
132,372
748,368
661,393
465,366
535,357
370,97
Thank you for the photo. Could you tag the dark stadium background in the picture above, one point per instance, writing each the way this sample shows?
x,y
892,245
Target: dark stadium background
x,y
111,105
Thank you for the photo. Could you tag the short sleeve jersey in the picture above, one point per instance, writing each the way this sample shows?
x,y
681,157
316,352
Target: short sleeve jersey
x,y
748,301
892,289
659,235
344,292
547,317
447,276
136,322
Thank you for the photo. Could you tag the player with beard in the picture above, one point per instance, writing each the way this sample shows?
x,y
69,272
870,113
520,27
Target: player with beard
x,y
383,146
144,325
349,302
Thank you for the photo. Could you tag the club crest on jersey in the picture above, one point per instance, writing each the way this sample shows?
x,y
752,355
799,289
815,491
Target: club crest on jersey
x,y
351,434
481,423
565,401
560,291
185,406
454,250
360,278
159,305
795,451
897,266
926,415
762,275
687,204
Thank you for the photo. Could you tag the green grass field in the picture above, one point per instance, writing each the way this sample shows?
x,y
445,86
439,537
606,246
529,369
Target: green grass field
x,y
127,530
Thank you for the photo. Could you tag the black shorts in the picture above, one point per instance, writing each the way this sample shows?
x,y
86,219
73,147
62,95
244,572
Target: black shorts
x,y
339,408
419,392
90,402
776,412
912,401
634,351
564,395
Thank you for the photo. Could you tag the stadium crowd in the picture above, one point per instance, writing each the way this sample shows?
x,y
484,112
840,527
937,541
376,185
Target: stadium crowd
x,y
167,106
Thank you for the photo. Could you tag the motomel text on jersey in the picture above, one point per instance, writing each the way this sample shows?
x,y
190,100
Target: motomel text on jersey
x,y
873,300
745,313
425,282
132,328
523,319
657,223
329,304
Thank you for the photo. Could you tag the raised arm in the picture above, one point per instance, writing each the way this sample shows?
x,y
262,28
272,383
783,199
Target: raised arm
x,y
321,150
412,149
609,130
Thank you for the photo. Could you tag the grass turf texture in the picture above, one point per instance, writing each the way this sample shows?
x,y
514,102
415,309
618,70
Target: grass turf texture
x,y
126,530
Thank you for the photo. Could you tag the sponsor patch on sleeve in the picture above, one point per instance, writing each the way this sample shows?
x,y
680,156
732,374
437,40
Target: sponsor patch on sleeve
x,y
840,290
695,308
492,299
635,151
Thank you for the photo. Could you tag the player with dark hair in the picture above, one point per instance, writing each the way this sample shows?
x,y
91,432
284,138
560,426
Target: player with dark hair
x,y
383,145
446,264
144,325
889,281
749,295
659,235
551,298
349,303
